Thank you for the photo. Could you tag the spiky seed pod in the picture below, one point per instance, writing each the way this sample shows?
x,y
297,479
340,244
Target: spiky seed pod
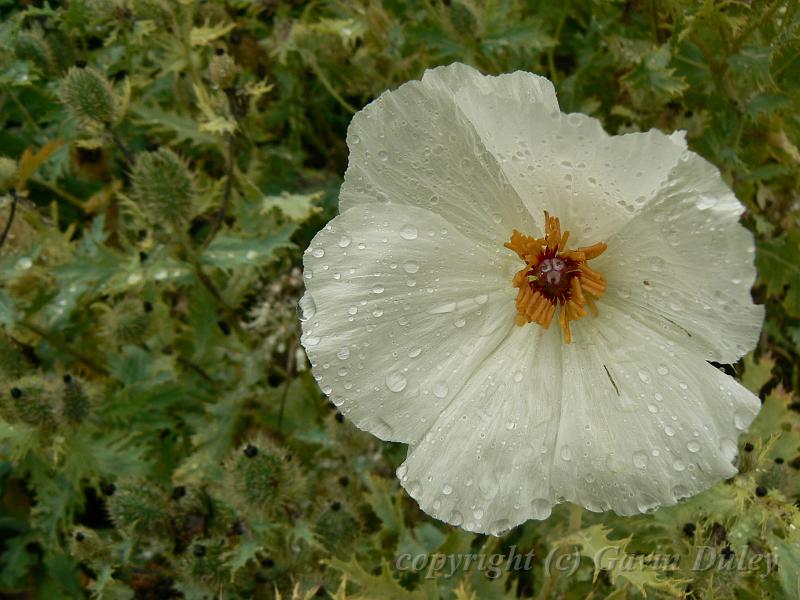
x,y
222,71
8,173
89,97
126,323
13,362
337,527
139,506
31,46
164,186
62,50
31,400
85,545
204,564
259,477
74,401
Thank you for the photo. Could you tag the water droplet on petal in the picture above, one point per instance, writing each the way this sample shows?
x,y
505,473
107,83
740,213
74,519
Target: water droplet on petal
x,y
440,389
411,266
408,232
640,460
396,382
541,508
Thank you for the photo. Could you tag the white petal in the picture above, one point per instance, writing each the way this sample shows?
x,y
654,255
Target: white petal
x,y
485,463
567,164
521,87
644,421
399,309
684,265
412,146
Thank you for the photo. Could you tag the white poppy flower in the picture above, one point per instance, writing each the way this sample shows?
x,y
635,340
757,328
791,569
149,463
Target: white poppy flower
x,y
429,298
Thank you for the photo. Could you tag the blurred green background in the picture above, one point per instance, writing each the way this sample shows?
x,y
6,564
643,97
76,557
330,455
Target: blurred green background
x,y
166,162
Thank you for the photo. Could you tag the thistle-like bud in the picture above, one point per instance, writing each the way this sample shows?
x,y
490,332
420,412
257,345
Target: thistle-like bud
x,y
89,97
74,401
163,184
86,546
140,507
222,71
30,400
31,46
337,527
204,563
126,323
8,173
260,478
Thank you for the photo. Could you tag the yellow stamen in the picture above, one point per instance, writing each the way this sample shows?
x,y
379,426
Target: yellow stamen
x,y
555,277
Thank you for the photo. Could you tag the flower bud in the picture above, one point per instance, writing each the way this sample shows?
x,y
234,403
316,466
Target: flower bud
x,y
164,186
126,323
259,477
222,71
8,173
86,546
337,527
139,506
31,46
74,402
89,97
30,400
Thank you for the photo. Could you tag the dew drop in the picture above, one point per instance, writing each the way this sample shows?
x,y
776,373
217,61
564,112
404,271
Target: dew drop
x,y
318,252
411,266
408,232
440,389
396,382
447,489
541,508
344,241
693,446
640,460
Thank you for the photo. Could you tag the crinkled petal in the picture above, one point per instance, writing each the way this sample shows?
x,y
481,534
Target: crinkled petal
x,y
400,308
644,421
485,462
412,146
567,164
684,265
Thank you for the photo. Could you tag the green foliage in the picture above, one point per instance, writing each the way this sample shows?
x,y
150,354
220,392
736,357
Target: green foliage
x,y
170,161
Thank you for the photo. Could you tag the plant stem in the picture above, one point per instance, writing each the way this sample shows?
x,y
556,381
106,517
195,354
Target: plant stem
x,y
219,218
121,146
11,214
65,348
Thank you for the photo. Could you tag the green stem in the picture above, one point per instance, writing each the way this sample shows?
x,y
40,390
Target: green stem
x,y
11,214
65,348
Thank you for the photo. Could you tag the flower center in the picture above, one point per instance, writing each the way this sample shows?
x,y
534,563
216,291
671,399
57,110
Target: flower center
x,y
555,277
